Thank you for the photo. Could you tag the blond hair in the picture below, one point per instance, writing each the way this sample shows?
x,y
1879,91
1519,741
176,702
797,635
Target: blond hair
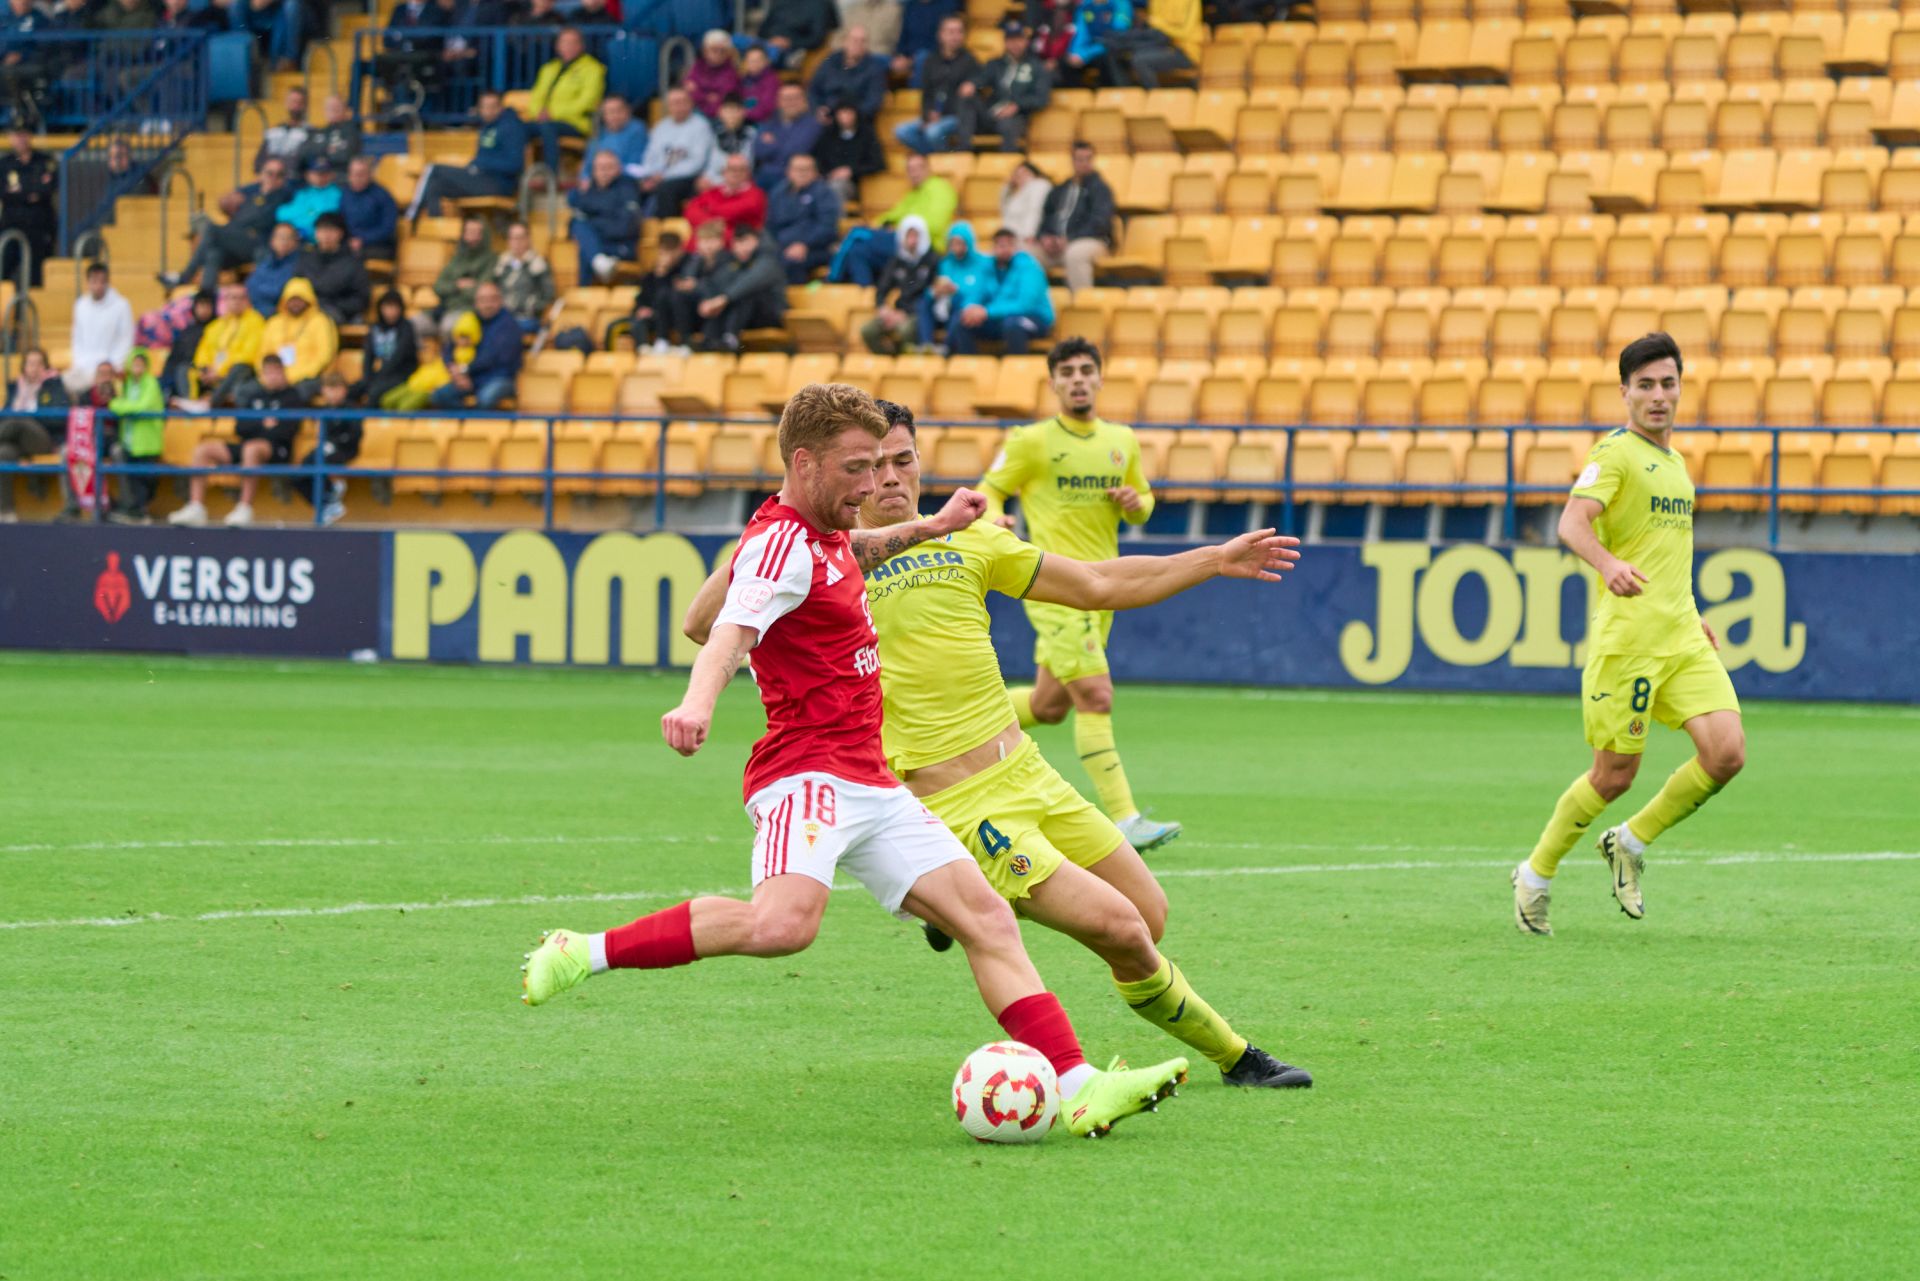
x,y
819,412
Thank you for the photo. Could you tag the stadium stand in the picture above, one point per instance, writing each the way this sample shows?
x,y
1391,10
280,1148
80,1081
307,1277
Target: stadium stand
x,y
1381,254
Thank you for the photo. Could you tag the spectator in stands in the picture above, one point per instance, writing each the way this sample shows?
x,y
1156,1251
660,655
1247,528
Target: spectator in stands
x,y
408,61
732,136
273,268
699,277
566,93
1169,40
1009,303
864,253
176,376
651,324
102,331
29,181
27,66
958,278
124,177
340,282
736,200
410,18
1023,203
848,151
278,25
392,352
302,336
795,28
525,278
229,352
1052,24
459,55
536,13
1077,225
855,74
122,15
338,141
947,91
759,85
431,374
606,219
496,165
370,212
460,279
791,131
620,133
37,388
596,13
919,28
251,213
881,18
897,294
320,195
139,436
715,74
753,295
487,378
286,140
266,441
1013,87
677,155
803,220
339,445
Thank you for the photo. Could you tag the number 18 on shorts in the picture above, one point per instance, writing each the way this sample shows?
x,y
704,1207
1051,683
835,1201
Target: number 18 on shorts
x,y
810,824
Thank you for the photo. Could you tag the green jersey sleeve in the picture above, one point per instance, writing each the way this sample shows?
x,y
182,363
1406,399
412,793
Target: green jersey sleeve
x,y
1600,478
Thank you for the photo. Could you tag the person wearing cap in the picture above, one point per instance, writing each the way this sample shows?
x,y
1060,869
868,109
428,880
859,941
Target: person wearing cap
x,y
320,195
1012,87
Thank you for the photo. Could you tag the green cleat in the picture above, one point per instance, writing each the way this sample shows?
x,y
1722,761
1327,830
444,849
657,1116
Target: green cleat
x,y
560,962
1626,872
1118,1093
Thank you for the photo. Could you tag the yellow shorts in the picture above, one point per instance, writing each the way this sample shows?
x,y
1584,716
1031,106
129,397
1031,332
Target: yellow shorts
x,y
1070,643
1621,693
1020,820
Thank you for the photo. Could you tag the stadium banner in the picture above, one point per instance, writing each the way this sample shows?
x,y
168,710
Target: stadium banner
x,y
208,591
1392,614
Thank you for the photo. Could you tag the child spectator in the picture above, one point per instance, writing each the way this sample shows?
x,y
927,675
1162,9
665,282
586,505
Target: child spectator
x,y
392,352
139,435
651,324
339,445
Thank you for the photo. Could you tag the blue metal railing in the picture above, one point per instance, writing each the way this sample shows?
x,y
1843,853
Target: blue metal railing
x,y
1285,491
150,118
83,75
503,58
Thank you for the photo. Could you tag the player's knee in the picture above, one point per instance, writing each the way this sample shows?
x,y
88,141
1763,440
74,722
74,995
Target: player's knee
x,y
783,933
1124,935
1050,712
1153,913
1612,781
1725,760
986,922
1097,700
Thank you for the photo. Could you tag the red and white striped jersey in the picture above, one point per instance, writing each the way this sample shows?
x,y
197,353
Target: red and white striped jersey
x,y
818,660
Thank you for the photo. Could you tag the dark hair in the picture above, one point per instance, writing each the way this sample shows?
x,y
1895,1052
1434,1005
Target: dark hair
x,y
741,229
333,220
670,240
898,415
491,93
1081,144
333,379
1070,348
271,360
732,100
206,296
391,296
96,265
1646,350
1008,232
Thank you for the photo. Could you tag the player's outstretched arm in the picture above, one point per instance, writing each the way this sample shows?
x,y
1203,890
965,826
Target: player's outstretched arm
x,y
706,605
685,727
1576,531
1128,582
874,547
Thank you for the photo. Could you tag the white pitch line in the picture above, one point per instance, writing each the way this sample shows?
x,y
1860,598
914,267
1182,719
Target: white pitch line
x,y
1181,873
347,843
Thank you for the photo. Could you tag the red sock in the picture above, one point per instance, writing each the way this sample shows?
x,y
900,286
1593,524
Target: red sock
x,y
1039,1021
654,942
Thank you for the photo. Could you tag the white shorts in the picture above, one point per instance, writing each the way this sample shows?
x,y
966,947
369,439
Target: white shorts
x,y
812,823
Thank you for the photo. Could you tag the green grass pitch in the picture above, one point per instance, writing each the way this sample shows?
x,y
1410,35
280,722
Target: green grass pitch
x,y
301,1053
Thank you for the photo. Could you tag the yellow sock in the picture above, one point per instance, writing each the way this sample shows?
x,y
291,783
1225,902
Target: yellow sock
x,y
1686,790
1022,696
1093,738
1167,1002
1579,805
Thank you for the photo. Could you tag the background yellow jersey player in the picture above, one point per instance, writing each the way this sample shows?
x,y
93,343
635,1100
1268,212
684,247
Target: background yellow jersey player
x,y
1077,477
951,735
1650,656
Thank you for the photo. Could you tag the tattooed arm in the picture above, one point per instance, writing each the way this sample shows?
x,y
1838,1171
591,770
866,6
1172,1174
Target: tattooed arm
x,y
685,727
874,547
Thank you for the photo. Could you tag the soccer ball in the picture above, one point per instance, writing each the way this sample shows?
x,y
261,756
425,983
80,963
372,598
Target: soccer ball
x,y
1006,1092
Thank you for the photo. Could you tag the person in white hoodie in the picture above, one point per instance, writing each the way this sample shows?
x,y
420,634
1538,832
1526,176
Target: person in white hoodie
x,y
102,331
1023,201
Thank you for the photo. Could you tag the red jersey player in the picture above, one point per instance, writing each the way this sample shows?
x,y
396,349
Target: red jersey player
x,y
817,785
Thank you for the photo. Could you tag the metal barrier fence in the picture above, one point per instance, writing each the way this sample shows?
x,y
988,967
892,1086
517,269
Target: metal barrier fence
x,y
1284,491
77,77
507,58
151,114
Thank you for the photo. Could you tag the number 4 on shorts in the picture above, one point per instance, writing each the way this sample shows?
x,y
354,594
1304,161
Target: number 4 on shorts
x,y
992,841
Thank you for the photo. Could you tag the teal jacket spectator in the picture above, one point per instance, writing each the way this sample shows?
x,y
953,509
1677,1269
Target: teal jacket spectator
x,y
1017,289
320,195
965,265
1094,23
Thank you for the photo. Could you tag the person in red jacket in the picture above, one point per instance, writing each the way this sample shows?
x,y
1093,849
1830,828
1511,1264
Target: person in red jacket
x,y
734,200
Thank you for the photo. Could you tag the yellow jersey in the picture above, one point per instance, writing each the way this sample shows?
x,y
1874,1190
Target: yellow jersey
x,y
1061,470
939,675
1647,521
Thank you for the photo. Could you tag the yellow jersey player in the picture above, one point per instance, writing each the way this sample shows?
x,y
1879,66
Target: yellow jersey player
x,y
950,734
1077,477
1650,656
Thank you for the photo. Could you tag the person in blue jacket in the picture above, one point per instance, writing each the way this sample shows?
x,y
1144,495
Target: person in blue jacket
x,y
1007,301
803,218
488,378
1087,53
274,268
855,74
496,166
371,214
606,219
622,134
957,278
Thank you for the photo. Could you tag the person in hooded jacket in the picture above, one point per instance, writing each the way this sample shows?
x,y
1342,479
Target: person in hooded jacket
x,y
902,284
302,336
340,281
1008,302
392,351
229,351
956,279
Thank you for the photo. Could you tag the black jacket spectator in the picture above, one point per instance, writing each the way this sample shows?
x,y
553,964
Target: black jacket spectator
x,y
941,78
857,151
340,282
392,351
801,24
1079,209
864,84
175,375
902,282
754,285
1023,82
653,316
28,185
259,209
279,432
338,143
